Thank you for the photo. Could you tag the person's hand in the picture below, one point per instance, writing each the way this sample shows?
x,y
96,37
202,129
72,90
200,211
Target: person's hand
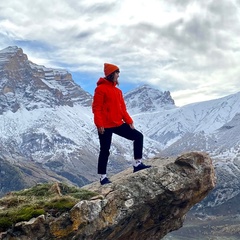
x,y
131,126
101,130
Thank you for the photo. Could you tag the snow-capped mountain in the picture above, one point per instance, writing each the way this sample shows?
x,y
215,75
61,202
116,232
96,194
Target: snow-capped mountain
x,y
27,85
148,99
47,131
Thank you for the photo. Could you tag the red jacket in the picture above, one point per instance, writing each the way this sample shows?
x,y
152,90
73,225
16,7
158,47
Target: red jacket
x,y
108,106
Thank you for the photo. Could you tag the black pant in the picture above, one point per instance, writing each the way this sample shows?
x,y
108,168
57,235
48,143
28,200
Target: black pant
x,y
105,143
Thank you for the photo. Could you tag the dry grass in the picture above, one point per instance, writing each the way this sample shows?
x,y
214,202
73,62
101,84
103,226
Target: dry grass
x,y
42,199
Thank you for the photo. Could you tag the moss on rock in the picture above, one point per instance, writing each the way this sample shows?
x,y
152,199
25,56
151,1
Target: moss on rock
x,y
47,198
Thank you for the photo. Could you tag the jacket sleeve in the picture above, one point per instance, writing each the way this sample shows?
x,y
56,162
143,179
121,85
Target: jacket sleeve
x,y
97,107
126,117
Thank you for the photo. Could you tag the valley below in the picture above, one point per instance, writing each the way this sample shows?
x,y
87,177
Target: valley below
x,y
211,223
212,228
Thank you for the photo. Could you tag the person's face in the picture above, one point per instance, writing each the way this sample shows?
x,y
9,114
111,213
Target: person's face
x,y
116,76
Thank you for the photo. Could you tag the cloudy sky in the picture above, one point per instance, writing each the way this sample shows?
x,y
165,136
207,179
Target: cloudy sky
x,y
188,47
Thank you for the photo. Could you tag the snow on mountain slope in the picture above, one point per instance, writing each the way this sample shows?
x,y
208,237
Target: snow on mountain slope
x,y
167,126
63,119
229,133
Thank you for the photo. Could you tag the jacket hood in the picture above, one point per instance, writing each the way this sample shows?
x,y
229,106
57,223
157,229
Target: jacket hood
x,y
105,81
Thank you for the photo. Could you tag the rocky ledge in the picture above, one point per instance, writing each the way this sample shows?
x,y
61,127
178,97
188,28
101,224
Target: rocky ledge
x,y
144,205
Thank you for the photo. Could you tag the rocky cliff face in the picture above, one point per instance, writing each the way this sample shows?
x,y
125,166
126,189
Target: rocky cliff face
x,y
27,85
143,205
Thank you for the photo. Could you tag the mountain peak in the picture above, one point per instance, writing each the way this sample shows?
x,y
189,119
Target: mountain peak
x,y
28,85
8,53
10,49
148,99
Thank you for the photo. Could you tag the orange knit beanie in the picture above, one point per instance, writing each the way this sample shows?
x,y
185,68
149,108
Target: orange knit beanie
x,y
109,68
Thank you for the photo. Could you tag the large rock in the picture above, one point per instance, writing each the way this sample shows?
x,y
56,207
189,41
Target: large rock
x,y
143,205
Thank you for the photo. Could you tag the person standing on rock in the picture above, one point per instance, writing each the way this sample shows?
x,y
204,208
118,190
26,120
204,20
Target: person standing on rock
x,y
111,116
